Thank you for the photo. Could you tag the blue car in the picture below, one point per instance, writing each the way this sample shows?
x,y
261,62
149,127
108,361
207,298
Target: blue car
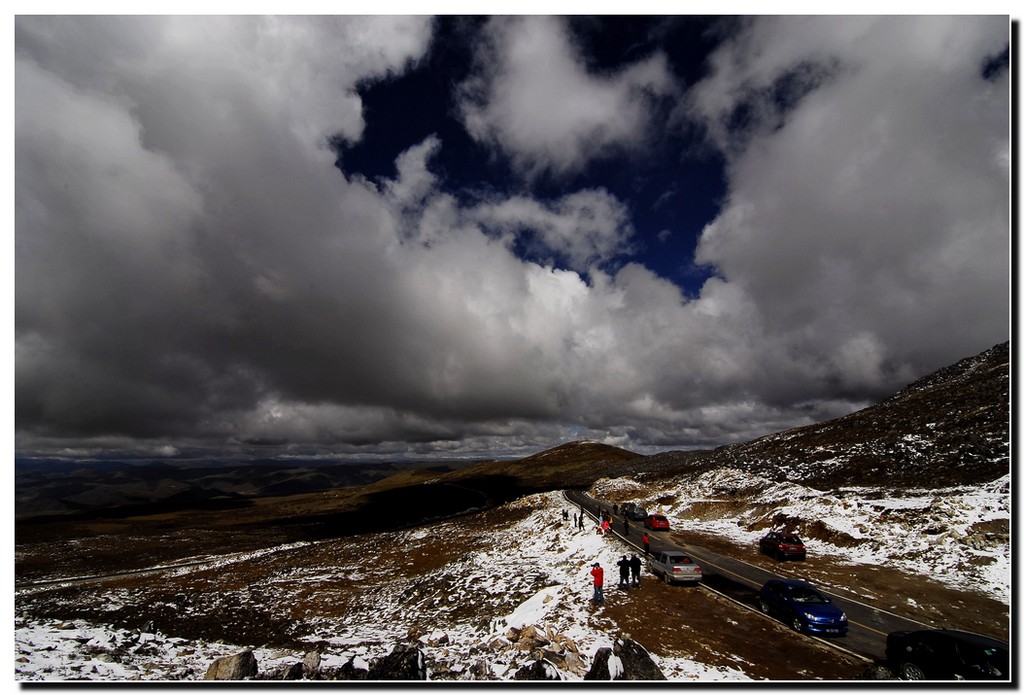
x,y
803,607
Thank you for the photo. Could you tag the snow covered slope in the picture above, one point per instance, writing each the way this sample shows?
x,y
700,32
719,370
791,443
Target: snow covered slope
x,y
531,572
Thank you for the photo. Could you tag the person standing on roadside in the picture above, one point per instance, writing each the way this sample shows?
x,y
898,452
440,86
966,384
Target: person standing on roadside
x,y
598,574
634,568
623,573
647,544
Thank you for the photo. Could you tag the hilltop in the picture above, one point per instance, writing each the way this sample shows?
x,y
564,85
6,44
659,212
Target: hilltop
x,y
951,427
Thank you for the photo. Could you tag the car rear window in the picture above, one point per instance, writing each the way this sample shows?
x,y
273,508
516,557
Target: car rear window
x,y
679,559
791,539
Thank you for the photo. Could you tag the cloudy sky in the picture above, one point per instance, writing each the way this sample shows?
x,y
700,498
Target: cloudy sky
x,y
406,236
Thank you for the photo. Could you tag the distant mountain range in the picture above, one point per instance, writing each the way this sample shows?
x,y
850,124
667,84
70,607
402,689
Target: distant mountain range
x,y
59,487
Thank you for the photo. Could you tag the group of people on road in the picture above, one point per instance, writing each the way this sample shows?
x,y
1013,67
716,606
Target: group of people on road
x,y
604,525
607,523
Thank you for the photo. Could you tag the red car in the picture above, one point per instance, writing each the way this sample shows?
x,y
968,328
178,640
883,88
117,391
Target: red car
x,y
783,546
656,522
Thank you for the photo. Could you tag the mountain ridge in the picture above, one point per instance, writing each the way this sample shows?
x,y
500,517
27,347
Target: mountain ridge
x,y
949,427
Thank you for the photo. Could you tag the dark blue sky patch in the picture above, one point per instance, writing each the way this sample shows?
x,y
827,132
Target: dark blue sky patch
x,y
672,184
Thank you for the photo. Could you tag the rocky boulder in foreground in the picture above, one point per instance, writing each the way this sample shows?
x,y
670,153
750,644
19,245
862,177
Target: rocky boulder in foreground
x,y
624,661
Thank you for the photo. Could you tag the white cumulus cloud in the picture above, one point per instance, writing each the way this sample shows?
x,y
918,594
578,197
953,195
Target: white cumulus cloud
x,y
533,98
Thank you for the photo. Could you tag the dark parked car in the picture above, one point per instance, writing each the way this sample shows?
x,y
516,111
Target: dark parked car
x,y
783,546
636,513
656,522
803,607
947,655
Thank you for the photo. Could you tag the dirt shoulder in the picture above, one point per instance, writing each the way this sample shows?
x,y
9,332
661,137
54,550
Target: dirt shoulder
x,y
693,622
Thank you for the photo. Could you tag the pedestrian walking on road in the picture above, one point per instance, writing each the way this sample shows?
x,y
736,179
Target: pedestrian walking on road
x,y
598,574
635,565
616,508
625,521
605,527
623,573
647,544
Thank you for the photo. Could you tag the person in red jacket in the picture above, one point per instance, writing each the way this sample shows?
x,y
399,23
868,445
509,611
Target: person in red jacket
x,y
598,573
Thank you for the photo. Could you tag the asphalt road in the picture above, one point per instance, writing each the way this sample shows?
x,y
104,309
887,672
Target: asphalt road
x,y
741,582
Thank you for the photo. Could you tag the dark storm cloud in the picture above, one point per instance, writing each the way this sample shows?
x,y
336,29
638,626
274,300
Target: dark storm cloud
x,y
194,272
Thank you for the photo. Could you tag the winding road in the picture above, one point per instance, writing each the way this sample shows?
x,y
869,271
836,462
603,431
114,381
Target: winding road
x,y
741,582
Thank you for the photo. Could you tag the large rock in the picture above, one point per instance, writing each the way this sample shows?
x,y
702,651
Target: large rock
x,y
481,670
292,673
232,668
404,663
308,669
574,664
543,644
625,660
531,638
349,671
311,665
539,670
605,667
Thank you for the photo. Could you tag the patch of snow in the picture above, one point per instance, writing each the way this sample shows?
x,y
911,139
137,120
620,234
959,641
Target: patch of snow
x,y
535,609
614,667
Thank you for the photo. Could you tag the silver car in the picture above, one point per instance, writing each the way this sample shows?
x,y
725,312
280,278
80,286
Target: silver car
x,y
674,566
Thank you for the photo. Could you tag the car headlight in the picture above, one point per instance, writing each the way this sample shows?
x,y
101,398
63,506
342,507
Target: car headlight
x,y
843,617
811,617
